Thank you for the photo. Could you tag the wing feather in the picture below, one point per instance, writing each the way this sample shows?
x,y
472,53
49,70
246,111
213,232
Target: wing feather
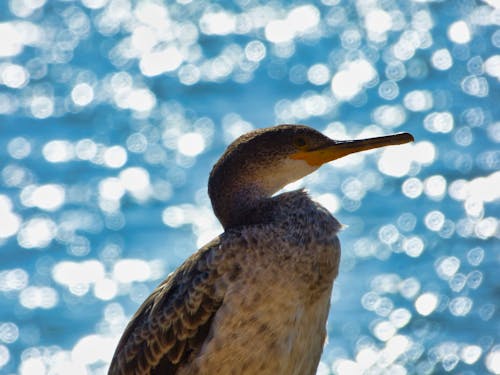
x,y
174,321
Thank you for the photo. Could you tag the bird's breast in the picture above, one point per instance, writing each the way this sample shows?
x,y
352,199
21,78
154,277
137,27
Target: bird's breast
x,y
273,317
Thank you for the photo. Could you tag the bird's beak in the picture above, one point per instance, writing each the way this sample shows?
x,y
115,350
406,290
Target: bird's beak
x,y
337,149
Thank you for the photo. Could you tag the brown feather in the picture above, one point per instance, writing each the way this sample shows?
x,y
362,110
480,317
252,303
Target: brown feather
x,y
171,323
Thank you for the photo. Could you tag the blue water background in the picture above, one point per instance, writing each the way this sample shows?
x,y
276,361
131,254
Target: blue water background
x,y
104,163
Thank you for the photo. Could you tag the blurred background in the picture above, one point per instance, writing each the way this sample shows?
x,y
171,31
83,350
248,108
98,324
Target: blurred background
x,y
112,113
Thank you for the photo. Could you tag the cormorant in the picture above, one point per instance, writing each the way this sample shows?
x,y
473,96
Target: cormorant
x,y
254,300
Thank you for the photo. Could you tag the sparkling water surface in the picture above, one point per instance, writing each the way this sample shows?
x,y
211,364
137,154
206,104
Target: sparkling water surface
x,y
112,113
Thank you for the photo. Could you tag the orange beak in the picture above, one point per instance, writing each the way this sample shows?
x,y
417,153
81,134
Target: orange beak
x,y
338,149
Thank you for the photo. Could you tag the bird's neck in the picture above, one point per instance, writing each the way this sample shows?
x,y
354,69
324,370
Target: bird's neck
x,y
235,206
241,192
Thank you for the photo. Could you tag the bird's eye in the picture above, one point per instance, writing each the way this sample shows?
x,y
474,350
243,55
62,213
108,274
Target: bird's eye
x,y
299,142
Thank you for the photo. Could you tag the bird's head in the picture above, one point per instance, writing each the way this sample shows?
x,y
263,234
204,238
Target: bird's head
x,y
261,162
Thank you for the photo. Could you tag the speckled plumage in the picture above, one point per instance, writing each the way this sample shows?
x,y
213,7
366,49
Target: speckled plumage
x,y
271,286
255,300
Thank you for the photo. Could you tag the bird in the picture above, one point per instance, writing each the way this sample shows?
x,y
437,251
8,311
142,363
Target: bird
x,y
255,300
